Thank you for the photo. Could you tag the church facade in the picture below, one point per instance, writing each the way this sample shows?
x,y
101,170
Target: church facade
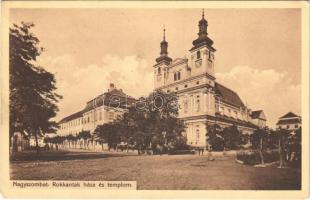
x,y
203,101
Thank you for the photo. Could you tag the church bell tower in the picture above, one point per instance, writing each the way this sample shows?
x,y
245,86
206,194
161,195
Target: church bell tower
x,y
202,52
162,63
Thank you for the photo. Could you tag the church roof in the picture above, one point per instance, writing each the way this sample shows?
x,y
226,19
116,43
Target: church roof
x,y
230,120
228,95
289,115
177,61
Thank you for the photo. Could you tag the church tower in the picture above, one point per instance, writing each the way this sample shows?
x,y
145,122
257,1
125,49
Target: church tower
x,y
202,52
162,63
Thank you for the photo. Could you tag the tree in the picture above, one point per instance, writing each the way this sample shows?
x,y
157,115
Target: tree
x,y
32,89
214,139
108,133
295,148
151,124
258,140
283,142
232,137
70,138
84,135
162,122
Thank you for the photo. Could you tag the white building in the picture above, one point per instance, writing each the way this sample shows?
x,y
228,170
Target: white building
x,y
102,109
203,101
289,121
259,118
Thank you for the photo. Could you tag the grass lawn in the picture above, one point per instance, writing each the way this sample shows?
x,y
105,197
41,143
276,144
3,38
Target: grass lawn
x,y
153,172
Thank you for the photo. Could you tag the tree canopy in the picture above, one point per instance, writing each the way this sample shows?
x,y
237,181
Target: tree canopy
x,y
33,100
151,123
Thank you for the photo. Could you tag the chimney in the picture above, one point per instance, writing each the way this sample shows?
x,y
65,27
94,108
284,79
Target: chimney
x,y
112,87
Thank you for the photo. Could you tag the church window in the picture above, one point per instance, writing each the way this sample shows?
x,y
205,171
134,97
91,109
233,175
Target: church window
x,y
198,55
185,106
197,136
177,76
159,70
198,103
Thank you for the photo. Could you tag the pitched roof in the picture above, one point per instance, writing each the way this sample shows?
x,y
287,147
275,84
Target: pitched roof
x,y
177,61
71,117
223,118
255,114
289,115
228,95
258,114
113,98
289,121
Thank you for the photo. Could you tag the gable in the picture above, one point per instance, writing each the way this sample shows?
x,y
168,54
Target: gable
x,y
289,115
258,114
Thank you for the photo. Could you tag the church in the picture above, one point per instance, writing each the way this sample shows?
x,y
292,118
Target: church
x,y
203,101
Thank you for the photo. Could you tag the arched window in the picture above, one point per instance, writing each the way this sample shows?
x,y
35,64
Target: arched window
x,y
177,76
198,55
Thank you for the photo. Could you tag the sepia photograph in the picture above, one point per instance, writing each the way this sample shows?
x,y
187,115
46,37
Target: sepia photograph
x,y
156,98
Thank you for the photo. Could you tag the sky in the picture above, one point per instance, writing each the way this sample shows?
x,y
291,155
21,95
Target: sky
x,y
258,51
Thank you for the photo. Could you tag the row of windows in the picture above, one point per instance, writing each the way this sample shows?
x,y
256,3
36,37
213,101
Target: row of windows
x,y
289,126
196,104
229,112
87,119
198,55
185,86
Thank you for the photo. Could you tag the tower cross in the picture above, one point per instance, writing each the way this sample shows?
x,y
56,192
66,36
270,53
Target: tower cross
x,y
164,32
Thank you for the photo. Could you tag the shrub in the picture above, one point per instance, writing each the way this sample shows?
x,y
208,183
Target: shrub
x,y
252,157
217,144
180,152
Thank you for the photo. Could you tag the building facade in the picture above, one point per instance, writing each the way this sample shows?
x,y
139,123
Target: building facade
x,y
289,121
102,109
203,101
259,118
